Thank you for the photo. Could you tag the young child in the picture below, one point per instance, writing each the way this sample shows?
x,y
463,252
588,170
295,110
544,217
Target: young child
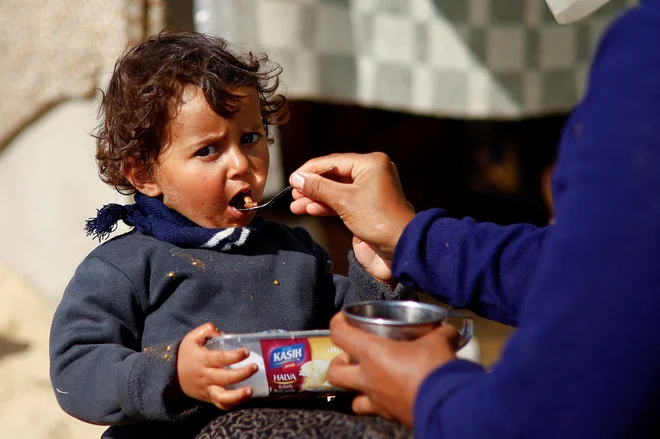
x,y
185,127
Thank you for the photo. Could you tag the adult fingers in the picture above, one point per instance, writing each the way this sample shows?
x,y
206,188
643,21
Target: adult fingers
x,y
302,205
343,164
343,373
347,336
342,359
363,405
445,333
321,189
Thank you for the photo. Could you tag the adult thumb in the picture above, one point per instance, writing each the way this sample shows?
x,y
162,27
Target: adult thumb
x,y
319,188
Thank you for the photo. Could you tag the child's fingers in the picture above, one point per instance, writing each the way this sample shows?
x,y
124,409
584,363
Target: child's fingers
x,y
227,399
226,377
218,359
202,333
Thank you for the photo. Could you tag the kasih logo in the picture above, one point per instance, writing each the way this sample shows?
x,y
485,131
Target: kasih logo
x,y
287,354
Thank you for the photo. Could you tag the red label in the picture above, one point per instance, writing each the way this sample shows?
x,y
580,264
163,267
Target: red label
x,y
282,359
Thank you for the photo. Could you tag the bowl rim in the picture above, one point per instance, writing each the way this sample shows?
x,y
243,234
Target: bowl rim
x,y
404,303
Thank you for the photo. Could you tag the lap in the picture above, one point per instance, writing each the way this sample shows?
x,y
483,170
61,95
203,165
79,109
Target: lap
x,y
258,423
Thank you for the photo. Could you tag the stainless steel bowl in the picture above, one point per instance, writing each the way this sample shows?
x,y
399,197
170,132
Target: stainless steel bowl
x,y
399,320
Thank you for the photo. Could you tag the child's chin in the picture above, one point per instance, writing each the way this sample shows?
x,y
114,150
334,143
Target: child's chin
x,y
238,218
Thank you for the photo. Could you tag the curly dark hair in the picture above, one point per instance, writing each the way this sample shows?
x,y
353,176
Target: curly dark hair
x,y
148,81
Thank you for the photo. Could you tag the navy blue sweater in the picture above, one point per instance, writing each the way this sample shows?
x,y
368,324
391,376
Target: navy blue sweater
x,y
584,293
115,335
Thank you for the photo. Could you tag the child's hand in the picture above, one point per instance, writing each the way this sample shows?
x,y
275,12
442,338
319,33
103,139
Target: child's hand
x,y
202,374
374,264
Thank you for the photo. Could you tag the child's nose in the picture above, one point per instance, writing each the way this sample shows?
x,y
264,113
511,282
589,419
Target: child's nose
x,y
238,162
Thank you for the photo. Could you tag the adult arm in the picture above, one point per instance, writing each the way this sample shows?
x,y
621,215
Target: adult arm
x,y
584,360
484,267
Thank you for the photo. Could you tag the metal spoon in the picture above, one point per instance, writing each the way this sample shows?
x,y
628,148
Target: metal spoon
x,y
277,195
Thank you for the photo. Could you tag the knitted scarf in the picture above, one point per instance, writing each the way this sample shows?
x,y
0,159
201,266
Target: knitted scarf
x,y
151,217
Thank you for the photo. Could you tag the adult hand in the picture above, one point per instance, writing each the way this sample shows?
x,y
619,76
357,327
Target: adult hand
x,y
372,262
366,195
387,373
202,373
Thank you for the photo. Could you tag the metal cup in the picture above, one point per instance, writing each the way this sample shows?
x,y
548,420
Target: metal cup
x,y
403,320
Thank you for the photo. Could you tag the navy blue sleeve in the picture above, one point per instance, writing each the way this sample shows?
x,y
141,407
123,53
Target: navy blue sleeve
x,y
362,286
584,361
485,267
99,371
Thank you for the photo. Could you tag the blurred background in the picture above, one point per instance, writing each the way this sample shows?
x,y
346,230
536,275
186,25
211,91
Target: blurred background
x,y
468,97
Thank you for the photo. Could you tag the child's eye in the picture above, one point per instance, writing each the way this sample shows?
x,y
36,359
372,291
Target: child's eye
x,y
206,151
250,138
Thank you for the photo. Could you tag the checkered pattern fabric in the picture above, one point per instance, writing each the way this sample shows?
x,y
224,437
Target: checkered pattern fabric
x,y
460,58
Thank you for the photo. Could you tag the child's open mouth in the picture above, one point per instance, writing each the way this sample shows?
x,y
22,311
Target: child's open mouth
x,y
242,200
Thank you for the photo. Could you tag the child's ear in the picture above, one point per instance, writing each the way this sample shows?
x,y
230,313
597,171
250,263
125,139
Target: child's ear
x,y
133,173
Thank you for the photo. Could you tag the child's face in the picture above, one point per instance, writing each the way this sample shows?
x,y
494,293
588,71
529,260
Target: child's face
x,y
211,162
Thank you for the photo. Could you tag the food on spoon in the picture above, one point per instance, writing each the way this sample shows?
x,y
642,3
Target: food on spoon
x,y
249,203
